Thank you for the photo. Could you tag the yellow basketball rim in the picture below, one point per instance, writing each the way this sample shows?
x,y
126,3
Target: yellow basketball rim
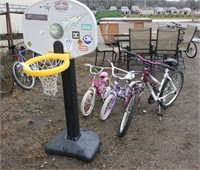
x,y
48,72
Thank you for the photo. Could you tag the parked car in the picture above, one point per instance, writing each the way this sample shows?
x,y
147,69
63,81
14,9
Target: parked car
x,y
112,8
186,11
135,10
125,10
172,10
100,8
159,10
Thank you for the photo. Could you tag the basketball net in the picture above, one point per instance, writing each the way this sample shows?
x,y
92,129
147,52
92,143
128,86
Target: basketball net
x,y
49,83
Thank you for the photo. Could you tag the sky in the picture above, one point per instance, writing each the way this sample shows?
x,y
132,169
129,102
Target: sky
x,y
19,2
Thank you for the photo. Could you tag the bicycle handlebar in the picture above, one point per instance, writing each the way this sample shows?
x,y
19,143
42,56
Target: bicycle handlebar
x,y
129,75
149,61
93,67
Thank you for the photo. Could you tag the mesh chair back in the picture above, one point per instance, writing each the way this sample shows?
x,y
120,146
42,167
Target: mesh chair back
x,y
100,36
154,26
188,36
140,40
167,41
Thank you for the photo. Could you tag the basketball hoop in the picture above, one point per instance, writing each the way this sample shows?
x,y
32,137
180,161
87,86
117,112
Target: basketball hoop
x,y
47,67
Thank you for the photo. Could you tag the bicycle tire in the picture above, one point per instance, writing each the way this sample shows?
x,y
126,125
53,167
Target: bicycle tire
x,y
128,114
23,80
107,106
6,79
178,79
192,48
88,102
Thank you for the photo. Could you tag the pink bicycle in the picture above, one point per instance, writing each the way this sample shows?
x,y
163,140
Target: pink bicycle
x,y
100,86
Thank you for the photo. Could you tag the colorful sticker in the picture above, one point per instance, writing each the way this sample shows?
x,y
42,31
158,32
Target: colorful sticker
x,y
67,23
86,27
87,39
46,6
80,42
61,5
68,44
83,48
29,44
75,34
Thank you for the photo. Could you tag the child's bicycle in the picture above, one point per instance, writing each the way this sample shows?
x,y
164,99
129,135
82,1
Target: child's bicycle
x,y
100,86
124,92
163,92
23,80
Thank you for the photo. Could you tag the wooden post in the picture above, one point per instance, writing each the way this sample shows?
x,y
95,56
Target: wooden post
x,y
9,27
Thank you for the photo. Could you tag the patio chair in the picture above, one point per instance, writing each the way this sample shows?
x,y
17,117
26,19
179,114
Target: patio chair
x,y
187,38
105,48
140,42
154,26
167,43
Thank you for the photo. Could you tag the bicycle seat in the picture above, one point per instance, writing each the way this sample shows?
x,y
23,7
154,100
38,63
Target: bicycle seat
x,y
171,62
12,47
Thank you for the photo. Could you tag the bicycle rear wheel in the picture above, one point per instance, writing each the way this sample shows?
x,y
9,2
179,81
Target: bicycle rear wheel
x,y
107,106
128,113
6,81
192,50
167,89
88,101
23,80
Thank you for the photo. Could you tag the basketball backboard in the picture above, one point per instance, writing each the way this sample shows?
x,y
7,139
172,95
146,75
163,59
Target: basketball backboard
x,y
68,21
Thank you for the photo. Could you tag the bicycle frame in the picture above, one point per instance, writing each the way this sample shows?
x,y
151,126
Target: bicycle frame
x,y
19,54
119,91
97,84
145,78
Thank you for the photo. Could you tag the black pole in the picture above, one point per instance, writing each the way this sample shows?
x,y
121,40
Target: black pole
x,y
70,96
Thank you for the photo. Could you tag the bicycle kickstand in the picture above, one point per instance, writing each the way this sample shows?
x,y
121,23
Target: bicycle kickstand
x,y
158,111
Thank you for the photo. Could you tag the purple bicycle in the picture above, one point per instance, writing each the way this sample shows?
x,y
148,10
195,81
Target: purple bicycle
x,y
163,92
124,92
100,86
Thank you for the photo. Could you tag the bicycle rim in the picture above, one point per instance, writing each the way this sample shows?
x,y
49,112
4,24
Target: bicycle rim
x,y
167,89
192,50
87,103
23,80
6,81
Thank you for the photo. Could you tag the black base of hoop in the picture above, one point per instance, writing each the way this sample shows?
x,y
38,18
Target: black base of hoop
x,y
84,149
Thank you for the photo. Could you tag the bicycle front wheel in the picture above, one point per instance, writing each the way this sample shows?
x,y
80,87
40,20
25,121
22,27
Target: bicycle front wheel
x,y
88,101
128,113
23,80
171,89
107,106
192,50
6,81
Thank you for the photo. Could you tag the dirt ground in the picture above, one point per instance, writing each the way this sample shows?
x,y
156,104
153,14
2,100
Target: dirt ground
x,y
30,119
